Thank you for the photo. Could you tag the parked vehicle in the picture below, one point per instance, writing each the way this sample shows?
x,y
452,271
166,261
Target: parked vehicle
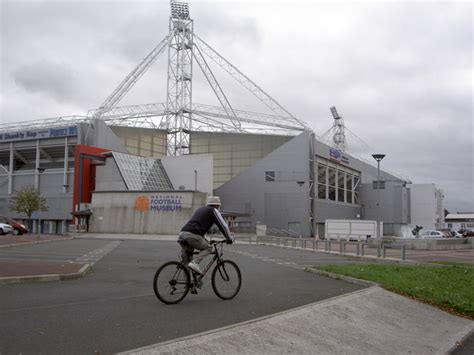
x,y
467,233
5,229
431,234
18,228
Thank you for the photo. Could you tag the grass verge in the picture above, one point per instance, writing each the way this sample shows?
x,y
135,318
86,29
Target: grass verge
x,y
449,287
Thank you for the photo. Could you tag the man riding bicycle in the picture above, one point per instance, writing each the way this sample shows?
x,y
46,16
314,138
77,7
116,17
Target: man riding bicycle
x,y
193,232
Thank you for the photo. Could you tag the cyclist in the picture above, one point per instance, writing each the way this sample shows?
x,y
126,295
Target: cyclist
x,y
193,232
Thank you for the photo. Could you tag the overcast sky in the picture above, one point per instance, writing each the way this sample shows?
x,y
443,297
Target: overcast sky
x,y
400,73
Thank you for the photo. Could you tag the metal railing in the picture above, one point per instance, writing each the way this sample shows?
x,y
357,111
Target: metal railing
x,y
378,250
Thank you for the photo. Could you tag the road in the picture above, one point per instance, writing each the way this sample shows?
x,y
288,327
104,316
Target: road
x,y
114,309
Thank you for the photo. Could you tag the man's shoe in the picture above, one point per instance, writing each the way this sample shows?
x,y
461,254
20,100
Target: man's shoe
x,y
195,267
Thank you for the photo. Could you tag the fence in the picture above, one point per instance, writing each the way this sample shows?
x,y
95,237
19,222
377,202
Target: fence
x,y
341,247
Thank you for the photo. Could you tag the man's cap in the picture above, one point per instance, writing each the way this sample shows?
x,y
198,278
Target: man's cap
x,y
213,201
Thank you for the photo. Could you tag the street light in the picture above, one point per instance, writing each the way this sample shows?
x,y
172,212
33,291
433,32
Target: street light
x,y
378,158
40,171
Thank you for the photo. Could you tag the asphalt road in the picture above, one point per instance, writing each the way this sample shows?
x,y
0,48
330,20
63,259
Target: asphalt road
x,y
114,309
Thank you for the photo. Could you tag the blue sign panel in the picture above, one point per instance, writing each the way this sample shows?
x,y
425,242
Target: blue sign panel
x,y
39,134
335,154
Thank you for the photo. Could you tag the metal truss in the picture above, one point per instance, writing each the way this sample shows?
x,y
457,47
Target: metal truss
x,y
63,121
145,116
211,79
245,81
132,78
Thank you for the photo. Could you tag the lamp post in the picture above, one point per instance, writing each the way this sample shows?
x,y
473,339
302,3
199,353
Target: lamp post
x,y
378,158
40,171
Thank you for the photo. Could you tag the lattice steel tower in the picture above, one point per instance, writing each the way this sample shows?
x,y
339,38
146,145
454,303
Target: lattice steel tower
x,y
180,84
339,136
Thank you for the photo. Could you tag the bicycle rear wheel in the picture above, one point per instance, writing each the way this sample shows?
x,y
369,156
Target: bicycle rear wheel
x,y
171,282
226,279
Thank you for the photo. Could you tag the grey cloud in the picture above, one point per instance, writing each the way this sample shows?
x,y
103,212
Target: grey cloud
x,y
49,78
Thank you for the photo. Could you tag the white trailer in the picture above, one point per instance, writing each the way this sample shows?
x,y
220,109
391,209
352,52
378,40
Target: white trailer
x,y
350,229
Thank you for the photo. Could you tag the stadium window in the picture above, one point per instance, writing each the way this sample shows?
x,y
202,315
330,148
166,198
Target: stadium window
x,y
269,176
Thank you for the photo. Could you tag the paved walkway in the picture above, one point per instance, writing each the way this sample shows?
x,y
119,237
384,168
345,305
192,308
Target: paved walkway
x,y
370,321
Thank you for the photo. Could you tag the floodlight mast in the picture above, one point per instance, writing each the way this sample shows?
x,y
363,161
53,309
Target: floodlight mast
x,y
180,73
339,137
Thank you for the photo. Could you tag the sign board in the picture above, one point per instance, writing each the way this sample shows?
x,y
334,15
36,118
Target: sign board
x,y
168,202
338,156
38,134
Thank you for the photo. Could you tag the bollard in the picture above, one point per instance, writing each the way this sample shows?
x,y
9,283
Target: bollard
x,y
383,251
362,249
340,247
294,243
378,250
304,244
403,252
344,248
358,248
256,240
329,246
315,244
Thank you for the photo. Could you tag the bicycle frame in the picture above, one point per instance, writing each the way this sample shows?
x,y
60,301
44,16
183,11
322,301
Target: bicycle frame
x,y
217,257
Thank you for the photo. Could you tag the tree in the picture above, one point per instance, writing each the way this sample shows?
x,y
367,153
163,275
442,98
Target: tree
x,y
27,200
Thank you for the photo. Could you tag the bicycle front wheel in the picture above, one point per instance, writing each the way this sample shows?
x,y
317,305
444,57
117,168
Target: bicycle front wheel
x,y
171,282
226,279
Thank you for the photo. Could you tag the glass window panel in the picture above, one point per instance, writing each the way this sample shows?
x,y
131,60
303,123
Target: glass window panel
x,y
142,174
356,182
340,195
349,196
269,176
349,182
322,174
332,177
340,179
332,193
322,191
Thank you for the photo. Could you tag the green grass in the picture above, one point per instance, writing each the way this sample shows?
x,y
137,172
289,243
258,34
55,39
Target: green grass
x,y
449,287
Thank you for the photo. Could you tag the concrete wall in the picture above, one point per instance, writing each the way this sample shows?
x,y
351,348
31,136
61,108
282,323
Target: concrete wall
x,y
425,209
280,203
394,202
98,134
233,153
162,212
189,170
108,177
145,142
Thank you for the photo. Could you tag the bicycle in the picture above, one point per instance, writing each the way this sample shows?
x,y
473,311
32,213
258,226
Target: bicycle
x,y
173,279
